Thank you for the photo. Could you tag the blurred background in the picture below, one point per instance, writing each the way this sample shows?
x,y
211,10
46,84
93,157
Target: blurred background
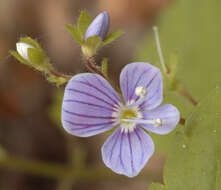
x,y
36,153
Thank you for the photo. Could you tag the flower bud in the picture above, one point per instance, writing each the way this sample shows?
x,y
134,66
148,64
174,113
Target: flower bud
x,y
22,49
99,26
29,52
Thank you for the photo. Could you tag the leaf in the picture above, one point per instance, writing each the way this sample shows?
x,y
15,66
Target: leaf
x,y
194,161
112,36
20,58
91,46
195,33
55,108
30,41
83,22
75,33
170,80
38,59
173,65
104,67
57,80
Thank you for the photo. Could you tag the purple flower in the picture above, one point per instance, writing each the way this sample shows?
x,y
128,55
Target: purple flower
x,y
91,106
99,26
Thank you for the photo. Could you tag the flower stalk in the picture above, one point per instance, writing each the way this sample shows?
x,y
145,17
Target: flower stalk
x,y
159,50
93,67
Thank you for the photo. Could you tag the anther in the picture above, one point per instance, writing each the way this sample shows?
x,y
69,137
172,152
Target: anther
x,y
158,122
141,91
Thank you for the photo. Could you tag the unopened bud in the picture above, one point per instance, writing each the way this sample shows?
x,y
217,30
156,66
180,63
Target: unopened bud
x,y
99,26
22,49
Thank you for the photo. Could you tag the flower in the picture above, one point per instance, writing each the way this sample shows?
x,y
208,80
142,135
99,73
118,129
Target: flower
x,y
22,49
99,26
91,106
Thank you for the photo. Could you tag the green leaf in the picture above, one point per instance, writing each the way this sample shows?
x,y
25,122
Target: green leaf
x,y
75,33
195,33
194,161
38,59
170,80
20,58
83,22
173,65
30,41
57,80
91,46
104,67
55,108
112,36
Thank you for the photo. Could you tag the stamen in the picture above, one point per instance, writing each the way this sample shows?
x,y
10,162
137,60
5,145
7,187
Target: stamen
x,y
155,122
140,91
158,122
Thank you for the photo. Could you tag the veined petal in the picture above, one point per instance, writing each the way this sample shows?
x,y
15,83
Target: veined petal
x,y
142,74
127,153
88,104
169,116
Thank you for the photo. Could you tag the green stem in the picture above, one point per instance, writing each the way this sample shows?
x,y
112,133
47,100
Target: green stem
x,y
58,171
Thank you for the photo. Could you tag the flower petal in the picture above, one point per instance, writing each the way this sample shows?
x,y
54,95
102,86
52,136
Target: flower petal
x,y
22,49
146,75
127,153
168,113
88,105
99,26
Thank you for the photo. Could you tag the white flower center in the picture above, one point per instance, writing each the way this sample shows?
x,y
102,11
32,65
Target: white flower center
x,y
129,115
123,113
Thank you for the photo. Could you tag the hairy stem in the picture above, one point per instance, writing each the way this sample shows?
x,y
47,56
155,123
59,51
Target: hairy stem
x,y
56,74
92,67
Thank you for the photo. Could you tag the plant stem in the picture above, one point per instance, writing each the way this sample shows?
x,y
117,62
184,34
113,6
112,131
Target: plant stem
x,y
92,67
56,74
57,171
183,92
159,50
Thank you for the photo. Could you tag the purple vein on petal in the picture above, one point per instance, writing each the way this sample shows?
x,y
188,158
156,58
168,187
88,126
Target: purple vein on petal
x,y
94,87
91,95
120,156
84,125
141,144
131,152
152,80
96,129
115,142
87,116
127,83
149,83
156,91
132,78
138,80
115,95
89,104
